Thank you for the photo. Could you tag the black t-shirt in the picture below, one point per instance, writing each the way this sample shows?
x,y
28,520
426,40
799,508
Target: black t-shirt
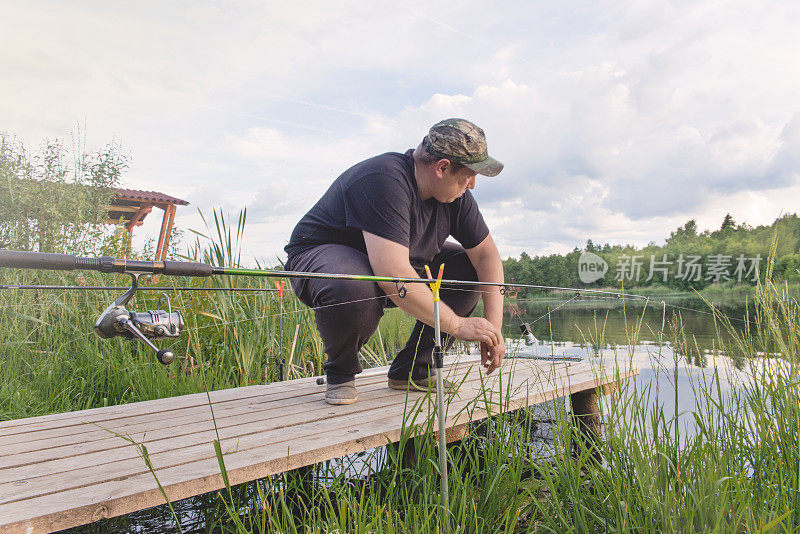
x,y
380,196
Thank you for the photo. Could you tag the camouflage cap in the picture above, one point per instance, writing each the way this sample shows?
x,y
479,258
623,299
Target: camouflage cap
x,y
462,142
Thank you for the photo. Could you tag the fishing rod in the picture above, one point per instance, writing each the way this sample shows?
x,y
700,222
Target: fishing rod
x,y
141,288
66,262
117,321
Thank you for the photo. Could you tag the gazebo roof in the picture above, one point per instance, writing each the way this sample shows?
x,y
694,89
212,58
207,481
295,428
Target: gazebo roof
x,y
147,196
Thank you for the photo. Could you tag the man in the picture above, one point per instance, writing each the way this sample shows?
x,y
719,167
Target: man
x,y
390,216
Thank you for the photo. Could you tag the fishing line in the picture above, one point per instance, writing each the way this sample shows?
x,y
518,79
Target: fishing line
x,y
557,307
586,297
715,313
117,320
136,268
286,313
589,298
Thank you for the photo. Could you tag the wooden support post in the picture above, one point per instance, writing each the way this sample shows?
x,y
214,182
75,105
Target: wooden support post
x,y
165,248
586,415
162,233
129,241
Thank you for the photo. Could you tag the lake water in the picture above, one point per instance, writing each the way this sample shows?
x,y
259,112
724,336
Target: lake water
x,y
676,347
609,323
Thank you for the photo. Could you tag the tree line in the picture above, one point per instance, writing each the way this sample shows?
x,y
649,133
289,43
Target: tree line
x,y
689,259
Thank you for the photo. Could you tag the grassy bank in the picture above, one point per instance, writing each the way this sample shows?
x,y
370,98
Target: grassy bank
x,y
52,361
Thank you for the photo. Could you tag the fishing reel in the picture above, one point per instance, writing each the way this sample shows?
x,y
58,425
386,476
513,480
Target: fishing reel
x,y
118,321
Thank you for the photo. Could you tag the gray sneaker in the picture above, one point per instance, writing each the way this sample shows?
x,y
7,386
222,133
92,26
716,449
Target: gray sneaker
x,y
344,393
421,384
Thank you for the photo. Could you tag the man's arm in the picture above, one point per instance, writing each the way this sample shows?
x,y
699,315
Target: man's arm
x,y
388,258
486,259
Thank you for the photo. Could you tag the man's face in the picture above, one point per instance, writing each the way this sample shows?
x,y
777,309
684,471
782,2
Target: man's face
x,y
455,184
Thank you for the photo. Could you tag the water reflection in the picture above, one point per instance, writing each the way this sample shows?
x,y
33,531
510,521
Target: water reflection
x,y
667,379
684,353
689,326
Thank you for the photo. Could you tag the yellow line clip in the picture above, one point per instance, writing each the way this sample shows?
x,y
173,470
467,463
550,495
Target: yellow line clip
x,y
437,284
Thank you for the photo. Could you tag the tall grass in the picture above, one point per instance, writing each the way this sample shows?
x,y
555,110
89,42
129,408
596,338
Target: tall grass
x,y
51,360
738,470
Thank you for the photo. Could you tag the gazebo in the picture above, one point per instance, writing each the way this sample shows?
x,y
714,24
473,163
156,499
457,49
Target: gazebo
x,y
131,206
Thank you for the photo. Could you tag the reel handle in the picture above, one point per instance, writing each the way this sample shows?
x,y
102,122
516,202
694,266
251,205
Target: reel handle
x,y
164,356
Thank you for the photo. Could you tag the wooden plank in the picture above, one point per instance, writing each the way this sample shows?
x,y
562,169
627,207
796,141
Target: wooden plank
x,y
292,411
275,412
106,509
123,208
54,485
102,437
124,221
138,217
292,459
288,432
158,407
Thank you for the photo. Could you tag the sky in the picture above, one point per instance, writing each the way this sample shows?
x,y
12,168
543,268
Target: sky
x,y
617,121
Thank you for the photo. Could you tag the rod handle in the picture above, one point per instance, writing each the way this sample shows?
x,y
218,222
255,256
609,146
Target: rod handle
x,y
20,259
187,268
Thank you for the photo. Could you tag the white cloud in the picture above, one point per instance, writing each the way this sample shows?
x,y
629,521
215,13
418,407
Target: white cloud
x,y
616,121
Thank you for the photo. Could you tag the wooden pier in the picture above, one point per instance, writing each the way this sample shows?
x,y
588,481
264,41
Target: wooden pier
x,y
69,469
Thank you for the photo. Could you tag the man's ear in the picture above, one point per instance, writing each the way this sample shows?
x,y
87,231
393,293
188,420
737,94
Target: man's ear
x,y
441,167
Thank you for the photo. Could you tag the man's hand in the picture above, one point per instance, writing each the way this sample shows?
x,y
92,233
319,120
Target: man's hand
x,y
476,329
388,258
493,346
492,356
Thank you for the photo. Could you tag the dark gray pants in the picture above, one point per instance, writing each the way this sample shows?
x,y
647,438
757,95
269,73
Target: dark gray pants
x,y
348,311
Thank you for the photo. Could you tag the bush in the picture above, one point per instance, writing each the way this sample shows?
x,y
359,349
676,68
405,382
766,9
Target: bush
x,y
54,200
